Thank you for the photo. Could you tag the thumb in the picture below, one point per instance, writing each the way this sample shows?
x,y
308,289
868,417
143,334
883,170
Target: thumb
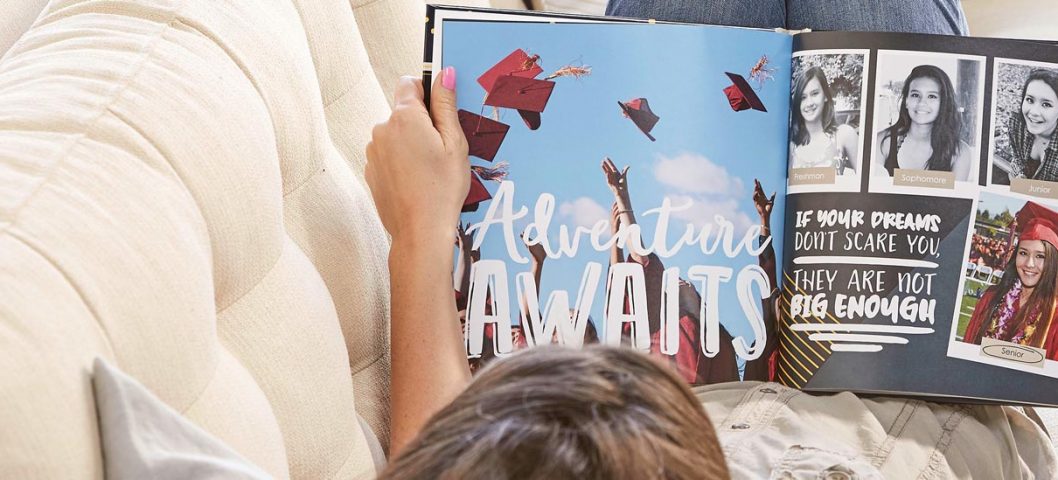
x,y
443,112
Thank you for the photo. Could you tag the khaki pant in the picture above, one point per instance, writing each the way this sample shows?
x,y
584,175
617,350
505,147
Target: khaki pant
x,y
770,431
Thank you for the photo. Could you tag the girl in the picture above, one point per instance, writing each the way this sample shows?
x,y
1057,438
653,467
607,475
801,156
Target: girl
x,y
815,139
1035,155
926,135
1020,308
601,412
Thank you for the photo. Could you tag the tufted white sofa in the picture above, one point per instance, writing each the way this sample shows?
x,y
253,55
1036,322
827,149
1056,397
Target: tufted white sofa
x,y
181,194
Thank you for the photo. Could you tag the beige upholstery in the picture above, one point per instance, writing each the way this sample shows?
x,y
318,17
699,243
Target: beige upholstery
x,y
180,193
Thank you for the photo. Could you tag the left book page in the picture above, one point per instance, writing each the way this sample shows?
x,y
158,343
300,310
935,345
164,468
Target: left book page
x,y
623,176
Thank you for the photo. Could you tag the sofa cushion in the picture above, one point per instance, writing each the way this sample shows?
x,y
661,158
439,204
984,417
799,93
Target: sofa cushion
x,y
174,198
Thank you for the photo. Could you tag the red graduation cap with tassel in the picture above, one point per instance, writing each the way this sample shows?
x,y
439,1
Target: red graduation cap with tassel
x,y
1036,222
518,64
638,110
520,93
741,96
511,83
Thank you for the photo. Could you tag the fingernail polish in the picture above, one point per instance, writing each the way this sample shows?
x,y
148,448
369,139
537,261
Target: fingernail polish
x,y
448,78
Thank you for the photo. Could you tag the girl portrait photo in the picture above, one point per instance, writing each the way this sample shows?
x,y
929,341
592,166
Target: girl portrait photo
x,y
825,112
1010,287
927,114
1025,114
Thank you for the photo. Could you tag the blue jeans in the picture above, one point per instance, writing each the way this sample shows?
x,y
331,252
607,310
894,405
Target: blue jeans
x,y
917,16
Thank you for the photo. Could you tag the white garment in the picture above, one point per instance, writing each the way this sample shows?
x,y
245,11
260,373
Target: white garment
x,y
145,438
770,431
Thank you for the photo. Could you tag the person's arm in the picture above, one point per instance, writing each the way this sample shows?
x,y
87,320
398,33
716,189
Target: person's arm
x,y
462,270
758,369
536,267
963,159
418,172
618,183
616,254
850,145
653,268
538,255
878,164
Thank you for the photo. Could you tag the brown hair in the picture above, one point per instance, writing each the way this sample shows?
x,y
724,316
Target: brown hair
x,y
555,413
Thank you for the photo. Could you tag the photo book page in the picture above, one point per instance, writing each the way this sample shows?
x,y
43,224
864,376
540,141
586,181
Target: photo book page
x,y
922,254
872,212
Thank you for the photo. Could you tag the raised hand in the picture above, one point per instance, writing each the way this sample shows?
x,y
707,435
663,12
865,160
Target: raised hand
x,y
763,203
616,180
463,239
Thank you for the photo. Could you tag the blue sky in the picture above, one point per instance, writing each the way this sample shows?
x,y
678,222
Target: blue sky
x,y
997,203
705,152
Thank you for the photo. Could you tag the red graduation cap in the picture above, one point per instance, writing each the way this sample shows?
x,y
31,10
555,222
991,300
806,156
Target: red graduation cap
x,y
638,110
484,135
741,95
520,93
477,194
518,64
1036,222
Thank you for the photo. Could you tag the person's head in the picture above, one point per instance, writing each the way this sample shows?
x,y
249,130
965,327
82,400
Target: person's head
x,y
1035,263
812,102
555,413
928,99
1039,102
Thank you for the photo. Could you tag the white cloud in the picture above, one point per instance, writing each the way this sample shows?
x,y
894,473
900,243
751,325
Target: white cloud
x,y
583,212
692,173
704,211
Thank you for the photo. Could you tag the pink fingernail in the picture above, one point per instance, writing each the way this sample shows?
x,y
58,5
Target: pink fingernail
x,y
448,78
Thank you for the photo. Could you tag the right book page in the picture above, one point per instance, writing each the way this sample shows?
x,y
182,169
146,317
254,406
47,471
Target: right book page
x,y
922,212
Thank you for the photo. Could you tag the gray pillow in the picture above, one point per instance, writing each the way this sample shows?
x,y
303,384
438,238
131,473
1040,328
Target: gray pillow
x,y
142,437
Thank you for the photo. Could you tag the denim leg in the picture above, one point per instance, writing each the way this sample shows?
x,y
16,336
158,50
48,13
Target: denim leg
x,y
919,16
743,13
913,16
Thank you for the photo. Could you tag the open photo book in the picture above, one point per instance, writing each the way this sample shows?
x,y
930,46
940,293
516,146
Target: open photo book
x,y
873,212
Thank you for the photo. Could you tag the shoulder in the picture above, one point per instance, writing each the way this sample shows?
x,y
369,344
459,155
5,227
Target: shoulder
x,y
846,135
964,154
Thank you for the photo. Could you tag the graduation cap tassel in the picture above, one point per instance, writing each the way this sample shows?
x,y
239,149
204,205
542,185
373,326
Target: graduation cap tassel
x,y
570,71
481,115
496,174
